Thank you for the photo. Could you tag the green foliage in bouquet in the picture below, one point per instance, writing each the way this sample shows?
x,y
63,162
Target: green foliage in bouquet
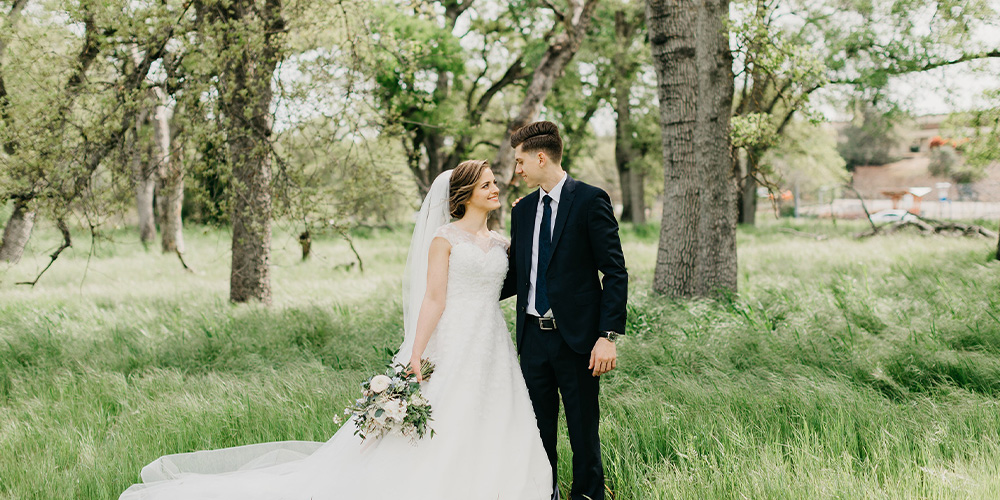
x,y
391,403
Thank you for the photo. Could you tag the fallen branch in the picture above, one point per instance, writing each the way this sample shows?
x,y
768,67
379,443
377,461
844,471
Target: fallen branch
x,y
930,226
794,232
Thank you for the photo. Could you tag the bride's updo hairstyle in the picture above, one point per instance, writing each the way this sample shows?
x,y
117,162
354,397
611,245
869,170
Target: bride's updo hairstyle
x,y
463,183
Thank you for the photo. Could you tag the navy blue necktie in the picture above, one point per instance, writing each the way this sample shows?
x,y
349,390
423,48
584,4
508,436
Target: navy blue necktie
x,y
544,252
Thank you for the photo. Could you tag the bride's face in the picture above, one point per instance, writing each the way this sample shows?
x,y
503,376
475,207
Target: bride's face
x,y
486,196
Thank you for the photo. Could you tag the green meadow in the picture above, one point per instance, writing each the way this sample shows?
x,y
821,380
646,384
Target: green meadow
x,y
844,368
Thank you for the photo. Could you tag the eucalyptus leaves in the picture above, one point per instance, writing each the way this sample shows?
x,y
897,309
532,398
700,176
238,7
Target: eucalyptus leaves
x,y
391,403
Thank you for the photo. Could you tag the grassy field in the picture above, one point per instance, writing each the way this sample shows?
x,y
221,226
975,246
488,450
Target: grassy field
x,y
843,369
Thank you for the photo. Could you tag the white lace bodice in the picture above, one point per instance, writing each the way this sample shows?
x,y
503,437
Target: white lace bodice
x,y
477,266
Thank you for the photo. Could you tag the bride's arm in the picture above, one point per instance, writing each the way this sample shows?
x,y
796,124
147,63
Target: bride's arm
x,y
434,298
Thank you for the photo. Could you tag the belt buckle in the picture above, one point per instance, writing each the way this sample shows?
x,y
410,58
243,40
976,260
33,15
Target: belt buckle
x,y
547,323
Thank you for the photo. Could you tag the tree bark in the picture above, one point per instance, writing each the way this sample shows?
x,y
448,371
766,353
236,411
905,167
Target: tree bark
x,y
171,173
637,182
557,55
748,191
622,83
144,173
690,48
998,247
245,101
143,167
631,178
17,232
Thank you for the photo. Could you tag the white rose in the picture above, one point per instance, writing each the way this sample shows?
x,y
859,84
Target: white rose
x,y
379,383
395,409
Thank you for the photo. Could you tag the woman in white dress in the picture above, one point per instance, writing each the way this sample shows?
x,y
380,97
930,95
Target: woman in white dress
x,y
486,444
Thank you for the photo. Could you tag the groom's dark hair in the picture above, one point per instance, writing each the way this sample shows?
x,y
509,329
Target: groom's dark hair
x,y
539,136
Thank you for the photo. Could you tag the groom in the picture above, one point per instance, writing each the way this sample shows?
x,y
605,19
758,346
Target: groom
x,y
568,318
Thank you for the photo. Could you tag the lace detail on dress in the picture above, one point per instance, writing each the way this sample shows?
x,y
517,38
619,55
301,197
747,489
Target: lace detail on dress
x,y
456,235
476,267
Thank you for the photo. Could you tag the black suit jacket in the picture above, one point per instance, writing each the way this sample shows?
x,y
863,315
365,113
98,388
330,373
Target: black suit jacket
x,y
584,242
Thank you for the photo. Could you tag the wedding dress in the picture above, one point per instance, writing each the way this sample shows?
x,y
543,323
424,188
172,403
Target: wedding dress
x,y
486,444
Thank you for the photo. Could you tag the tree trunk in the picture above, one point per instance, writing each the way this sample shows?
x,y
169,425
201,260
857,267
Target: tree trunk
x,y
998,247
245,99
144,167
171,172
144,171
625,181
690,48
631,177
637,180
17,232
624,152
559,53
748,199
305,241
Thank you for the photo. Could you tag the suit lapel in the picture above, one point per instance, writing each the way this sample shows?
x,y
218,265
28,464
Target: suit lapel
x,y
526,228
565,204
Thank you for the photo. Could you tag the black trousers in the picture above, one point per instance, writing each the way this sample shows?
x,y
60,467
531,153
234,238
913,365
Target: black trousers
x,y
551,368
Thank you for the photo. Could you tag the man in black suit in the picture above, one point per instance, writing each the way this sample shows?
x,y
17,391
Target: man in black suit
x,y
568,318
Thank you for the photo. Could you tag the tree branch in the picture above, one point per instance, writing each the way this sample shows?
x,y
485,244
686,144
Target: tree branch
x,y
61,224
514,73
556,11
902,70
485,143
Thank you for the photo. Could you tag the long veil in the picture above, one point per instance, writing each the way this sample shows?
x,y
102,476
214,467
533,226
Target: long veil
x,y
434,213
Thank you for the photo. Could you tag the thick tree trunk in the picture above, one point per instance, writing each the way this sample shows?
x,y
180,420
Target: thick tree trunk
x,y
17,232
171,173
559,53
690,47
246,100
718,271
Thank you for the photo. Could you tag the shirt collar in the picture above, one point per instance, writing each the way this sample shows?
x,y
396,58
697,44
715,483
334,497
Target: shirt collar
x,y
556,190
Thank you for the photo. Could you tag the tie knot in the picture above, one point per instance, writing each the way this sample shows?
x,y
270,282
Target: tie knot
x,y
546,199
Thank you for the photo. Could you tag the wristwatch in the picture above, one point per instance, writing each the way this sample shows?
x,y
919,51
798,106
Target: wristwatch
x,y
612,336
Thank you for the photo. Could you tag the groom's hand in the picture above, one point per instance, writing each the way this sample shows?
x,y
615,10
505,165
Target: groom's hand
x,y
604,357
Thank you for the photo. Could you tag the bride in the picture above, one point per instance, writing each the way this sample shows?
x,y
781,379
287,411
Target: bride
x,y
486,444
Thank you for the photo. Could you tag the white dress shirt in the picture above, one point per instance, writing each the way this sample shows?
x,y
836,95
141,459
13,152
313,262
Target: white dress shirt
x,y
554,205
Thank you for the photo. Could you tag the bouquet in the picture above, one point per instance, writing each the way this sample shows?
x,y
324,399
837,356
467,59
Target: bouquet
x,y
391,403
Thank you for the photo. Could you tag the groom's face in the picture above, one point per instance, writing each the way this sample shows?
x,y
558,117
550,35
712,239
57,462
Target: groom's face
x,y
529,165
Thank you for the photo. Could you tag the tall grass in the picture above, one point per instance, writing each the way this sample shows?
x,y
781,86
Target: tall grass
x,y
844,368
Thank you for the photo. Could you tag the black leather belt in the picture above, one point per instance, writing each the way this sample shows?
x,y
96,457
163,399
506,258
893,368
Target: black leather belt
x,y
546,324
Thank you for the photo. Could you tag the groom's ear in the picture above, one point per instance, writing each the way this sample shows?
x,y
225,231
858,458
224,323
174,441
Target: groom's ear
x,y
542,158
